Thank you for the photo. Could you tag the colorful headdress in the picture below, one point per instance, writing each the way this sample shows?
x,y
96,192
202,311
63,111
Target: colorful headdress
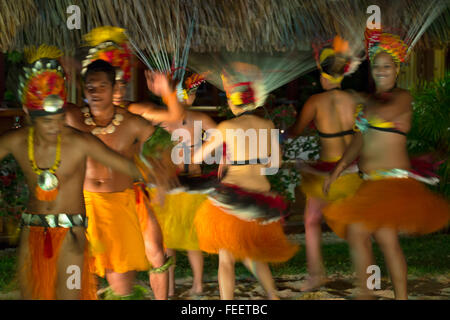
x,y
42,90
191,85
377,42
244,85
240,94
109,44
341,51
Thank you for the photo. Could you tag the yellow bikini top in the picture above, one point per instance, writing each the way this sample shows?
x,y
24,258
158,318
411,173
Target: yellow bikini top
x,y
362,124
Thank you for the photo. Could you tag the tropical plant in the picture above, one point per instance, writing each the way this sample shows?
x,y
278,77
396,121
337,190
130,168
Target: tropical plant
x,y
13,189
430,131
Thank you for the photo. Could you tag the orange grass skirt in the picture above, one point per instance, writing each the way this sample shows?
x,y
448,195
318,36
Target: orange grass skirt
x,y
41,272
217,230
402,204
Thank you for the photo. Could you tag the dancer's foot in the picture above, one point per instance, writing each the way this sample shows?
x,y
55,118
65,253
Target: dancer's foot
x,y
313,283
273,297
196,291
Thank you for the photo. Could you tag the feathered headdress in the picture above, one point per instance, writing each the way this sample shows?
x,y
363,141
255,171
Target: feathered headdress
x,y
42,89
191,85
341,51
377,41
109,44
244,85
240,94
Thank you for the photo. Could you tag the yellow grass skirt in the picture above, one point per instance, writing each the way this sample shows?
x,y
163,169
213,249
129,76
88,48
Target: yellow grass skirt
x,y
176,218
402,204
217,230
346,185
114,232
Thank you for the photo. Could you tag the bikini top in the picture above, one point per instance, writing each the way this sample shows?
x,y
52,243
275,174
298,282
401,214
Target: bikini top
x,y
363,124
334,135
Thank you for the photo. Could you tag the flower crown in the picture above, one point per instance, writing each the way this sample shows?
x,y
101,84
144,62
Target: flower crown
x,y
109,44
42,89
377,41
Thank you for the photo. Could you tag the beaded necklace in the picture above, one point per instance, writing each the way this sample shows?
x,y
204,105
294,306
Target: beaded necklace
x,y
47,182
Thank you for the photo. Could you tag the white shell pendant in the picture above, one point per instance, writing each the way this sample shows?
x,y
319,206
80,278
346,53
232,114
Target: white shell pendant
x,y
47,181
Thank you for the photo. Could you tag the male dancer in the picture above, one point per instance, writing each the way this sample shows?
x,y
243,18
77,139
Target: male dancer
x,y
122,241
53,264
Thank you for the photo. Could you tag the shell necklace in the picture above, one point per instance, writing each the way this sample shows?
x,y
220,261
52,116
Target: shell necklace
x,y
110,128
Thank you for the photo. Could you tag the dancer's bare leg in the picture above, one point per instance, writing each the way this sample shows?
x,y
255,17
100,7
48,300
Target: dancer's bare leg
x,y
172,253
71,255
395,260
262,272
121,283
361,250
226,275
154,251
313,235
196,260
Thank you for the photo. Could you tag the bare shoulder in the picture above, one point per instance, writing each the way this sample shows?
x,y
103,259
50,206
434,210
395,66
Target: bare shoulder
x,y
270,123
355,96
403,98
136,125
229,123
133,119
14,137
402,94
74,115
72,109
76,137
197,115
316,99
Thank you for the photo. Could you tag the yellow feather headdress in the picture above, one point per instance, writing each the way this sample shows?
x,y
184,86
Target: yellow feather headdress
x,y
110,44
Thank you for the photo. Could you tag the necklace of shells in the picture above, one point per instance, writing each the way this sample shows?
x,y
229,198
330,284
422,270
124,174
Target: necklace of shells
x,y
110,128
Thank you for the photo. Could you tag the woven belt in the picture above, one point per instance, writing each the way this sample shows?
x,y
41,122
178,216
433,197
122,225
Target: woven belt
x,y
397,174
61,220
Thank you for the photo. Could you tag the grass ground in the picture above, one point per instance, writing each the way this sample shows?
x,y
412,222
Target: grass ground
x,y
426,256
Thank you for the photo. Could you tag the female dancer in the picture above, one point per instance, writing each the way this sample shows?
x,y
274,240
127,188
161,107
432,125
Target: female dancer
x,y
333,114
176,216
240,221
390,200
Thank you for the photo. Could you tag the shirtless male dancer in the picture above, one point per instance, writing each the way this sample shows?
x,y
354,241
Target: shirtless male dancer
x,y
53,264
123,241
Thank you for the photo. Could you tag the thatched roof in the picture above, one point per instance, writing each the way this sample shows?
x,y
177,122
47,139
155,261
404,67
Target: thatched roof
x,y
231,25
